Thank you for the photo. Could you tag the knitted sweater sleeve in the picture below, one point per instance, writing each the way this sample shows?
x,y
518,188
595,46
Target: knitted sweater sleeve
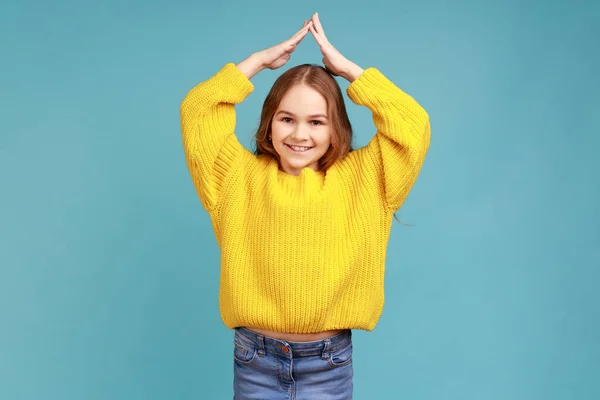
x,y
397,151
207,124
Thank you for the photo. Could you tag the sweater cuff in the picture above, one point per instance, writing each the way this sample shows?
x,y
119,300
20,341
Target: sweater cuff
x,y
368,85
233,83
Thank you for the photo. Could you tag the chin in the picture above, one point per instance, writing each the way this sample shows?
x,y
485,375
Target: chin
x,y
297,164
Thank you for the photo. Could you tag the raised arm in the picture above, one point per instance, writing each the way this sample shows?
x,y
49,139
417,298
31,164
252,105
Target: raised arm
x,y
396,153
208,117
207,124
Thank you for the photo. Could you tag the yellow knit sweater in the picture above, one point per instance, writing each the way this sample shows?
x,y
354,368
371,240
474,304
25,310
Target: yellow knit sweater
x,y
302,254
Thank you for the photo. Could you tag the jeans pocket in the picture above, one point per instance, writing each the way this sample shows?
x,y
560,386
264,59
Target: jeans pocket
x,y
341,357
243,354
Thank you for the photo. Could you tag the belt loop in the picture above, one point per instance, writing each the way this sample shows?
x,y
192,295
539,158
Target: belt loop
x,y
325,355
261,345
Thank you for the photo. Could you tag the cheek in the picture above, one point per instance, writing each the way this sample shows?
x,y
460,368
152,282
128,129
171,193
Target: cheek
x,y
278,131
324,137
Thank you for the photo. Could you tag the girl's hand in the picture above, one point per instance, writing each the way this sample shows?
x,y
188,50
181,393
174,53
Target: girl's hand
x,y
276,56
333,60
273,57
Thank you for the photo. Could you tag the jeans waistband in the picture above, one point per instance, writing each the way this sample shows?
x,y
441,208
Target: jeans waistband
x,y
296,349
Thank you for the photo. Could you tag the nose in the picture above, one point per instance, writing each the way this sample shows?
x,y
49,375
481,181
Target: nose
x,y
300,133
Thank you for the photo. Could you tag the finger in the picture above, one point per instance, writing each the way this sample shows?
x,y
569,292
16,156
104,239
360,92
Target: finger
x,y
318,26
318,38
304,29
297,38
290,45
293,42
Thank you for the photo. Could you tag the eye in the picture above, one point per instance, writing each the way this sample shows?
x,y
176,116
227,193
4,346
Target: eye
x,y
286,119
316,122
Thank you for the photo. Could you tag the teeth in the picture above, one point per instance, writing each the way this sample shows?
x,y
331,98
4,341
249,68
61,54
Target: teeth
x,y
299,148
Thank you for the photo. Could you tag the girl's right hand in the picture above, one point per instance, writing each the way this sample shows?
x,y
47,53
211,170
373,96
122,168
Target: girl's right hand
x,y
276,56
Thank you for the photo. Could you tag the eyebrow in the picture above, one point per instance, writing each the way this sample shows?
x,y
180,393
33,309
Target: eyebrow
x,y
310,116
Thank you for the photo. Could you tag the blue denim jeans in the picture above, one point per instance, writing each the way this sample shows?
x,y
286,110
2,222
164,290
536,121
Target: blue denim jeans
x,y
270,369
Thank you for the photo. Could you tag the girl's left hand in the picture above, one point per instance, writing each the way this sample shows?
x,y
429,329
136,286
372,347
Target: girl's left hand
x,y
333,60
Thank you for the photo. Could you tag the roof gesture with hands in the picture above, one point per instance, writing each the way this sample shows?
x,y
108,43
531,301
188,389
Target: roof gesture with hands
x,y
276,56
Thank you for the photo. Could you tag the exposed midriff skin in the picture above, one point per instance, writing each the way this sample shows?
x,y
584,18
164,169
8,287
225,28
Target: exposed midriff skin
x,y
297,337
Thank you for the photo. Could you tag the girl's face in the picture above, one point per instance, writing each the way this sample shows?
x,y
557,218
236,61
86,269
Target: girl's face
x,y
300,129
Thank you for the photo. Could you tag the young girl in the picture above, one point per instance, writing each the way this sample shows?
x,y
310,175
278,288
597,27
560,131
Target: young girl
x,y
303,224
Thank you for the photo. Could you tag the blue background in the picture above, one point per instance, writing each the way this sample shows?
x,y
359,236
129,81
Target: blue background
x,y
109,267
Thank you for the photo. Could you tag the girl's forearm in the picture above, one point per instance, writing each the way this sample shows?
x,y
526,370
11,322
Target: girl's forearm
x,y
352,72
250,66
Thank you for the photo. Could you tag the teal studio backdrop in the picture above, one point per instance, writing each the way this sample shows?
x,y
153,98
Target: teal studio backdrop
x,y
109,267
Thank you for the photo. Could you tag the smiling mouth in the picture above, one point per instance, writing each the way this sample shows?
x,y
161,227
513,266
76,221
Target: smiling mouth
x,y
298,149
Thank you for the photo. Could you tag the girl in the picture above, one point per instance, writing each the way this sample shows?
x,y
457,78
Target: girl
x,y
303,224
